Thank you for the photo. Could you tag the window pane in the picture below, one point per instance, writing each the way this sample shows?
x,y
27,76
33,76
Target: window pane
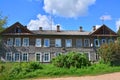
x,y
17,41
25,57
57,53
58,43
46,57
9,56
25,41
46,43
103,41
79,43
110,41
17,57
86,43
10,42
68,42
38,43
96,42
38,57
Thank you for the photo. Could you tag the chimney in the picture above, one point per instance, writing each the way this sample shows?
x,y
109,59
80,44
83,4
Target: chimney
x,y
40,28
58,28
94,28
81,29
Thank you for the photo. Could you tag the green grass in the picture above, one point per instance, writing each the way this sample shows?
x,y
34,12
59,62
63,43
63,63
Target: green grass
x,y
17,71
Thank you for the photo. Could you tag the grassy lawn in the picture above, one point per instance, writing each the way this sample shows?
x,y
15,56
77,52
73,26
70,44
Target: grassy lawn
x,y
15,71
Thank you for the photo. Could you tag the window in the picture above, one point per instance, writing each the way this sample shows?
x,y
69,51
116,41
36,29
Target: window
x,y
25,41
46,43
86,43
57,54
17,41
103,41
9,56
17,30
88,55
57,42
38,42
68,42
46,57
38,56
10,42
25,57
17,56
78,42
110,41
96,43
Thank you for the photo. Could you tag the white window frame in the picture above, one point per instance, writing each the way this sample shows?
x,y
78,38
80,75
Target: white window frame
x,y
25,43
97,41
68,44
57,54
15,57
10,41
40,56
78,43
17,43
85,45
10,55
48,42
110,40
103,41
23,56
44,55
88,55
58,43
38,42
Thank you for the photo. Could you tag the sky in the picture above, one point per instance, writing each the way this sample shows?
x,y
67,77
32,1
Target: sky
x,y
69,14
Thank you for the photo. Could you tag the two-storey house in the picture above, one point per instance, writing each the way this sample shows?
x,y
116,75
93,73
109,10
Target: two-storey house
x,y
20,44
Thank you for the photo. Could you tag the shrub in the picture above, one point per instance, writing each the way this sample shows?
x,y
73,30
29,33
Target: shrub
x,y
110,53
72,59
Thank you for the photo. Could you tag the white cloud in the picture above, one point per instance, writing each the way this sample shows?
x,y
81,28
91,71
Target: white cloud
x,y
118,24
106,17
67,8
41,21
97,26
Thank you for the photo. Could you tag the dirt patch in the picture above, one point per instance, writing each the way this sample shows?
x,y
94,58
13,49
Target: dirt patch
x,y
111,76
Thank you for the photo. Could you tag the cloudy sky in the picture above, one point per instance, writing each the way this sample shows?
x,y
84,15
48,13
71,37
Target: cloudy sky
x,y
69,14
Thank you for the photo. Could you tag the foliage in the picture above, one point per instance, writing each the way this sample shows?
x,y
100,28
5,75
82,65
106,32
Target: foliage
x,y
3,21
118,32
17,71
110,53
72,59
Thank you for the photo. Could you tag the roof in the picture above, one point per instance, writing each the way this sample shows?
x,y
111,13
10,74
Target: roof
x,y
103,31
63,32
13,30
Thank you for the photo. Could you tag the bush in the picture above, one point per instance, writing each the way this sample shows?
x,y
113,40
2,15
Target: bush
x,y
72,59
110,53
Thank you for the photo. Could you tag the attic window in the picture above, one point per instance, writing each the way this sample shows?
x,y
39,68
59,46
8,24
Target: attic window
x,y
17,30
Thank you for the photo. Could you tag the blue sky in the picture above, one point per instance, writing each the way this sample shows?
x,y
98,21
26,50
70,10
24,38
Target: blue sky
x,y
69,14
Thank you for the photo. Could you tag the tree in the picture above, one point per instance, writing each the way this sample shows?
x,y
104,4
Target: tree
x,y
118,32
3,21
110,53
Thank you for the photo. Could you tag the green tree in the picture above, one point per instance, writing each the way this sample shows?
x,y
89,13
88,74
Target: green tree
x,y
110,53
3,21
118,32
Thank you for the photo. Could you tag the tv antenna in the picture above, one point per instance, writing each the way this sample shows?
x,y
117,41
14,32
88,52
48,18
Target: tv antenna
x,y
103,20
